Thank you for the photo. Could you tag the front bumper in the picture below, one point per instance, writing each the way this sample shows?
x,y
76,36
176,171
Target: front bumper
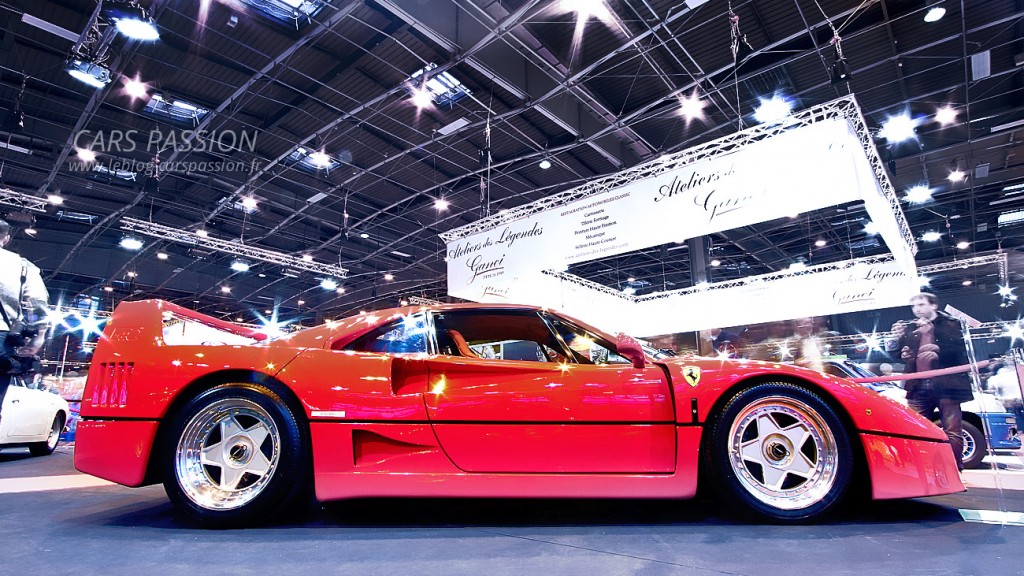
x,y
115,450
910,468
1001,429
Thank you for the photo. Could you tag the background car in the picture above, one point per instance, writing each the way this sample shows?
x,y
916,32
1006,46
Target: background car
x,y
986,422
32,417
478,400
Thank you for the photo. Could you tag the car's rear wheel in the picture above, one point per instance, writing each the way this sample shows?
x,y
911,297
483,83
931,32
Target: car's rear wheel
x,y
46,447
975,446
781,453
235,454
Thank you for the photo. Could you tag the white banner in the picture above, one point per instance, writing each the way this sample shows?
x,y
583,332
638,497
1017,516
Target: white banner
x,y
861,286
850,286
804,169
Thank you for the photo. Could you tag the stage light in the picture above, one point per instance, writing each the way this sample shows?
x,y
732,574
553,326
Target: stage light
x,y
772,109
945,115
131,243
240,266
131,20
329,284
92,73
934,14
544,164
919,194
85,154
899,128
931,236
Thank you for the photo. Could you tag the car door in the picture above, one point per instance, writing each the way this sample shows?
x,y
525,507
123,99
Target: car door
x,y
507,395
25,414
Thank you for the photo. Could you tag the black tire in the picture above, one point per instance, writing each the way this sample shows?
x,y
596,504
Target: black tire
x,y
975,445
255,451
46,447
798,468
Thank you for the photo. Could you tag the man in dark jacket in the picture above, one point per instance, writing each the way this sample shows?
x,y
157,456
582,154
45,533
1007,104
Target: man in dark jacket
x,y
934,340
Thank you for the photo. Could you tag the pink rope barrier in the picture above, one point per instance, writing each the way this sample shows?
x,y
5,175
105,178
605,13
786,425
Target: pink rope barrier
x,y
920,375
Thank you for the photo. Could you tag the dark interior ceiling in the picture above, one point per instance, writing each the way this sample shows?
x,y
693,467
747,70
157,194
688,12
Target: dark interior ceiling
x,y
338,81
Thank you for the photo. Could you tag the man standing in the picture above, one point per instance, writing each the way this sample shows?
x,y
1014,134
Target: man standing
x,y
931,342
23,299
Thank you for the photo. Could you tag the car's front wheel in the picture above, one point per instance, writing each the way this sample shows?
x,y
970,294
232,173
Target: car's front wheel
x,y
46,447
235,454
780,452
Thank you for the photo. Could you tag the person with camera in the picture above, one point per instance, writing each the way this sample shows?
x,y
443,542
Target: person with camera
x,y
934,340
23,305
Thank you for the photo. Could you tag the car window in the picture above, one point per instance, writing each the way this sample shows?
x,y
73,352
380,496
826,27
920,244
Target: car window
x,y
587,347
408,335
497,335
835,370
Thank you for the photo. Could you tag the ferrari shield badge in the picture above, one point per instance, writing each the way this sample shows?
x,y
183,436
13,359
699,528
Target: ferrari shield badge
x,y
692,375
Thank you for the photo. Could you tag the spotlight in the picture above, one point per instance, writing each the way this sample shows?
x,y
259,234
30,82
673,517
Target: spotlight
x,y
898,128
240,266
963,245
85,154
945,115
544,164
692,107
956,175
931,236
329,284
934,14
918,194
772,109
55,199
441,204
716,262
92,73
389,276
131,243
161,255
819,243
320,159
130,19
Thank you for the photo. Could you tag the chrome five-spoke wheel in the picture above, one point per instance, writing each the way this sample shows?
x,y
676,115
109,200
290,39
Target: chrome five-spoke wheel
x,y
227,454
782,453
779,451
235,454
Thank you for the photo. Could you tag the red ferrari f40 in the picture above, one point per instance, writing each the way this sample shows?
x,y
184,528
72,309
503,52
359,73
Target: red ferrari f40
x,y
478,400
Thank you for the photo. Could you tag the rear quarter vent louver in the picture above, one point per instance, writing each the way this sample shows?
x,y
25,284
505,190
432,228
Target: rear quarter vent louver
x,y
112,389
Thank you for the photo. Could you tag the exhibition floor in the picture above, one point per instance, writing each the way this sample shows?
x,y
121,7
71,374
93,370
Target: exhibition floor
x,y
57,520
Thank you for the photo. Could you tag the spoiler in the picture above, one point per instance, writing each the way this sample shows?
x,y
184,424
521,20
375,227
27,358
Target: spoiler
x,y
212,322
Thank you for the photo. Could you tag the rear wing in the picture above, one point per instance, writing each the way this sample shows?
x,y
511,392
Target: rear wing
x,y
142,324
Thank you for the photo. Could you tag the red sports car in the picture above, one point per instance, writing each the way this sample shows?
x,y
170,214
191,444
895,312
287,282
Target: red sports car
x,y
478,400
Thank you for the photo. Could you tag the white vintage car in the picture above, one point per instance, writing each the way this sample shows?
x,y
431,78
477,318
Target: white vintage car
x,y
32,417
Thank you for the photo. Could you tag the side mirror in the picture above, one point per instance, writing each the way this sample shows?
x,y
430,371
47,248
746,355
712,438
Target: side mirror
x,y
628,347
